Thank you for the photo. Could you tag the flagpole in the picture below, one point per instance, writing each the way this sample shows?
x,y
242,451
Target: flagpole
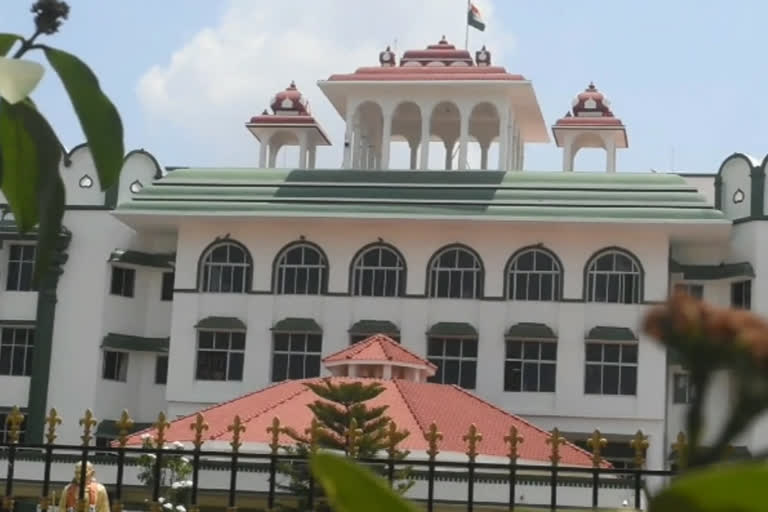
x,y
466,20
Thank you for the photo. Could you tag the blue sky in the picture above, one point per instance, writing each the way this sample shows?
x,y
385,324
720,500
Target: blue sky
x,y
686,76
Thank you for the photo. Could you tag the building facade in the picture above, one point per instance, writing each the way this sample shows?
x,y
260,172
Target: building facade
x,y
186,287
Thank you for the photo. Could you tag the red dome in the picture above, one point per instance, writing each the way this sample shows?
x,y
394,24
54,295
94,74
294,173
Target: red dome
x,y
290,102
442,53
591,103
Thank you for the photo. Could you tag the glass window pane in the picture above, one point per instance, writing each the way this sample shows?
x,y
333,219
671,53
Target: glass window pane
x,y
314,343
549,351
533,287
296,366
236,366
604,262
547,287
629,353
17,364
613,296
594,352
435,347
525,261
279,367
298,342
6,353
468,374
378,284
312,367
448,259
371,258
547,378
628,380
521,287
531,350
293,256
469,348
531,377
451,371
514,349
438,376
467,260
592,380
389,258
601,288
453,348
221,341
238,341
611,353
281,341
610,380
544,261
512,376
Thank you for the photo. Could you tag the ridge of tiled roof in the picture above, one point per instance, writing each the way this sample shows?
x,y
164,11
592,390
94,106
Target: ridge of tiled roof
x,y
390,350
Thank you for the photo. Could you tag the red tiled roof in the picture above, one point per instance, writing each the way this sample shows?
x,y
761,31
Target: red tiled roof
x,y
378,348
588,121
411,405
407,73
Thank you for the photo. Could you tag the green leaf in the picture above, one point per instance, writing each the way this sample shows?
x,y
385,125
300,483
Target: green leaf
x,y
727,488
19,165
352,488
98,116
7,41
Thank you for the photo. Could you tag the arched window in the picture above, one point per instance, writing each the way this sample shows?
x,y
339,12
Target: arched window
x,y
534,274
378,271
614,276
455,272
301,269
226,268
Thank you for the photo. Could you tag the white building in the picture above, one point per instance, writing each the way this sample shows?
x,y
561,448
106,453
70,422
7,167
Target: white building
x,y
188,287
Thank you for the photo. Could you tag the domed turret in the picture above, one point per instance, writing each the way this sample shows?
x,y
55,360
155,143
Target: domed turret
x,y
387,58
590,124
290,102
483,57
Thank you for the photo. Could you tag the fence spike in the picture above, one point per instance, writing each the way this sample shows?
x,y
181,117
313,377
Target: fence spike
x,y
513,439
275,430
433,437
472,438
394,436
640,444
313,433
52,421
198,427
124,426
14,421
555,439
597,442
161,425
236,428
88,421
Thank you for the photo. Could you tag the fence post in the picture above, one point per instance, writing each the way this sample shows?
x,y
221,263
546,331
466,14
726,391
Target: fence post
x,y
555,439
52,421
236,428
88,422
198,427
124,427
597,442
14,422
274,446
513,439
640,445
433,437
472,438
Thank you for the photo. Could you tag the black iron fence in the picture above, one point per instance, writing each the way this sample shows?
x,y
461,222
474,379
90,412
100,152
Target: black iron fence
x,y
43,464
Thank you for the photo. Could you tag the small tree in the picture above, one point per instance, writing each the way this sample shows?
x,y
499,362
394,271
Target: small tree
x,y
175,470
342,422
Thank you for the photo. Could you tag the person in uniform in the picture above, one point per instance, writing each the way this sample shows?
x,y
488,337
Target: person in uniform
x,y
95,493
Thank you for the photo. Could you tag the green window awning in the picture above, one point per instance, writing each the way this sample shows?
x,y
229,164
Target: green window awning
x,y
135,343
531,330
458,329
17,323
712,272
221,323
301,325
371,327
109,429
603,333
143,259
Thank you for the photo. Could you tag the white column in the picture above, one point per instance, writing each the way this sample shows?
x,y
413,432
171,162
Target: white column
x,y
610,149
263,151
463,139
357,145
425,129
484,156
567,156
273,155
512,147
504,138
414,154
312,154
303,143
387,372
386,139
347,162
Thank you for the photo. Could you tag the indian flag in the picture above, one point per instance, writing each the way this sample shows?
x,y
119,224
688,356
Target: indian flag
x,y
474,18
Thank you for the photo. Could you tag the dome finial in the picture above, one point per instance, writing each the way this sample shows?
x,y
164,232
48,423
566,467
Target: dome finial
x,y
292,86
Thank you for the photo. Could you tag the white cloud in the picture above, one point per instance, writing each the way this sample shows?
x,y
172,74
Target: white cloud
x,y
227,72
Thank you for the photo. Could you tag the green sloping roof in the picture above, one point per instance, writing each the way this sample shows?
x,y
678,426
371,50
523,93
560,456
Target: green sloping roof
x,y
603,333
530,330
224,323
135,343
711,272
109,428
144,259
452,329
626,197
374,327
307,325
